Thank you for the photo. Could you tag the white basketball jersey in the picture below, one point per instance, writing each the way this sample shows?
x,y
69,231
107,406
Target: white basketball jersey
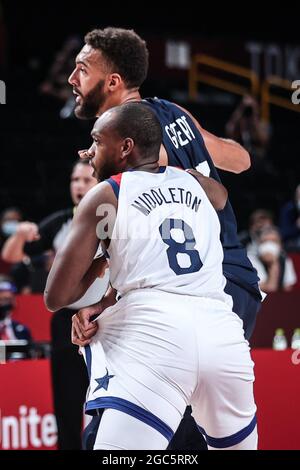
x,y
166,236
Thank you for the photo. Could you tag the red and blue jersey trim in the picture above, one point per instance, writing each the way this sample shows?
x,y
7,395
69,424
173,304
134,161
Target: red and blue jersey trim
x,y
115,182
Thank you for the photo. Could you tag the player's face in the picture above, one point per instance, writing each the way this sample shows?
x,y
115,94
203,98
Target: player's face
x,y
88,82
105,154
81,181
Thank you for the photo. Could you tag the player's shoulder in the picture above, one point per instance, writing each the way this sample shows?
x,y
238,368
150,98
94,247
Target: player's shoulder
x,y
100,194
115,181
158,102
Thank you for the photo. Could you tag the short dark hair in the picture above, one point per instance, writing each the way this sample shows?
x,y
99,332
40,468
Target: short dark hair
x,y
10,209
137,121
124,51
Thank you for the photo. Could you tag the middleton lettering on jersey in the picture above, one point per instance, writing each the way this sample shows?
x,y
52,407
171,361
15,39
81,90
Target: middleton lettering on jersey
x,y
149,201
180,132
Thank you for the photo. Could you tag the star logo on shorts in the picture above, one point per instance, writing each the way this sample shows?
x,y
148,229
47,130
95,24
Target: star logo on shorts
x,y
103,381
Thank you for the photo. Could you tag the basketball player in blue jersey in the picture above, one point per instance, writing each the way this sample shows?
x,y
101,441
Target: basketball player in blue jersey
x,y
109,71
172,339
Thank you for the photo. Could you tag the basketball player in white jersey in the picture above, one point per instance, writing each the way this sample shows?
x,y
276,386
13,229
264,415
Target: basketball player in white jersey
x,y
172,339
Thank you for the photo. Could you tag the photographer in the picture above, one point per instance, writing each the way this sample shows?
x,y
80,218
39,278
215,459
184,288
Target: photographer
x,y
246,127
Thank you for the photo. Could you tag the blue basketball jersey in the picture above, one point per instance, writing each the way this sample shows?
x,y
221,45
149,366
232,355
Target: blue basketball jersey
x,y
185,147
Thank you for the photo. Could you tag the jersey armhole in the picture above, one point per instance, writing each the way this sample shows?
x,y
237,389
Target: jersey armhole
x,y
115,182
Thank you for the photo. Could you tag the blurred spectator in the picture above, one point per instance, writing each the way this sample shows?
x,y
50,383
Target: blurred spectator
x,y
56,83
289,222
69,374
275,269
258,221
246,127
10,329
9,220
30,274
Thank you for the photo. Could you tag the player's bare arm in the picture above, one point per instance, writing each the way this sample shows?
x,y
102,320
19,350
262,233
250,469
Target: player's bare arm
x,y
215,191
74,268
226,154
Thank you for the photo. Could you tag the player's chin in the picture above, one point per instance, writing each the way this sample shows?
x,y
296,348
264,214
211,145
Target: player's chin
x,y
98,176
78,112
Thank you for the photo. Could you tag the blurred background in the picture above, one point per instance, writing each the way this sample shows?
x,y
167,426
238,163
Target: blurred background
x,y
39,137
234,70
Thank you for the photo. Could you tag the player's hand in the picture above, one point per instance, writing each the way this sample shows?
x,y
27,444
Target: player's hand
x,y
28,231
78,337
194,172
83,327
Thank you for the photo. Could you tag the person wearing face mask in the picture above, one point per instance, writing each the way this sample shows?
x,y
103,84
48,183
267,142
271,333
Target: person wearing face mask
x,y
28,275
274,267
9,221
259,220
289,222
9,329
69,376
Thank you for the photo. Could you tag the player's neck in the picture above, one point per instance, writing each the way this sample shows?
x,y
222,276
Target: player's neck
x,y
124,96
130,95
151,167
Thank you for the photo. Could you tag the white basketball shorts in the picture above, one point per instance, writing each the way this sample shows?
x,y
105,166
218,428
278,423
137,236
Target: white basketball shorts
x,y
156,352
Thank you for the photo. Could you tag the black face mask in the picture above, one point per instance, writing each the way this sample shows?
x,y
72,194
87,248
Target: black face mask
x,y
5,310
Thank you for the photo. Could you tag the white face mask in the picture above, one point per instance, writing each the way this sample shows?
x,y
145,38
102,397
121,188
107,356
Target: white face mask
x,y
298,205
269,248
9,228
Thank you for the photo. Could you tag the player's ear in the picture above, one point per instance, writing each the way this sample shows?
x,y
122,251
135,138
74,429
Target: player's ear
x,y
114,81
127,147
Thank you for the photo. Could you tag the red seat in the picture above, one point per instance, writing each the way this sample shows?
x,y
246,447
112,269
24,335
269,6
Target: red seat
x,y
31,311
